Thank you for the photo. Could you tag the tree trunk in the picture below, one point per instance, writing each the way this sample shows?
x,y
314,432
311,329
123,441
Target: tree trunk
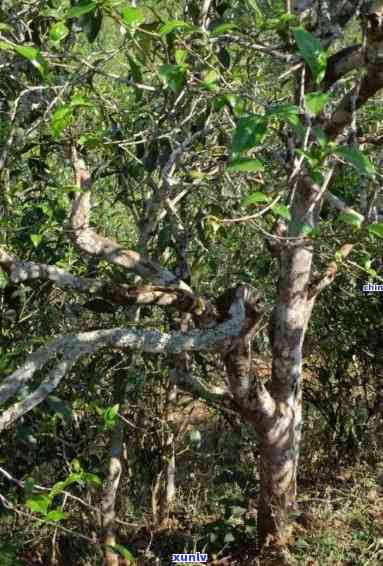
x,y
281,440
108,503
277,491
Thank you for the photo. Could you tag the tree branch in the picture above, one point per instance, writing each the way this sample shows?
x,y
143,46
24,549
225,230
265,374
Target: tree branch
x,y
71,347
341,63
118,294
88,241
320,283
372,82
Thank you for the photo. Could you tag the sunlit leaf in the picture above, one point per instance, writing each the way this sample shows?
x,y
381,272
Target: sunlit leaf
x,y
122,551
78,100
282,210
36,239
111,416
351,218
223,28
312,52
173,75
6,46
61,118
34,56
181,56
250,165
175,25
58,31
249,132
56,515
78,11
133,16
38,504
4,280
315,102
255,198
376,229
356,158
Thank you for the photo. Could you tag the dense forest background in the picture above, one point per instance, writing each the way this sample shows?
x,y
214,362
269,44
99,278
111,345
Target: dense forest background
x,y
155,159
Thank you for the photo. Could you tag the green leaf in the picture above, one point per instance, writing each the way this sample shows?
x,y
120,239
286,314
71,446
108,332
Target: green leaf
x,y
315,102
38,504
122,551
286,111
78,11
58,488
58,31
4,280
356,158
75,465
34,56
376,229
61,117
173,76
92,479
321,136
312,52
223,28
210,77
244,164
111,416
78,100
56,515
36,239
282,210
255,198
351,218
133,16
6,46
257,9
249,132
175,25
181,56
289,113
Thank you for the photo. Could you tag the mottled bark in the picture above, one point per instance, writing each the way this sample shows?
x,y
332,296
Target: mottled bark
x,y
108,501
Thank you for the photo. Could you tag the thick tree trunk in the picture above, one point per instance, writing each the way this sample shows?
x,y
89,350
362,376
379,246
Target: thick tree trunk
x,y
277,497
280,441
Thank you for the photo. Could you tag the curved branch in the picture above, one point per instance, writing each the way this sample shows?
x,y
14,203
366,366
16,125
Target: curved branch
x,y
119,294
323,281
342,115
71,347
372,82
198,388
341,63
87,240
